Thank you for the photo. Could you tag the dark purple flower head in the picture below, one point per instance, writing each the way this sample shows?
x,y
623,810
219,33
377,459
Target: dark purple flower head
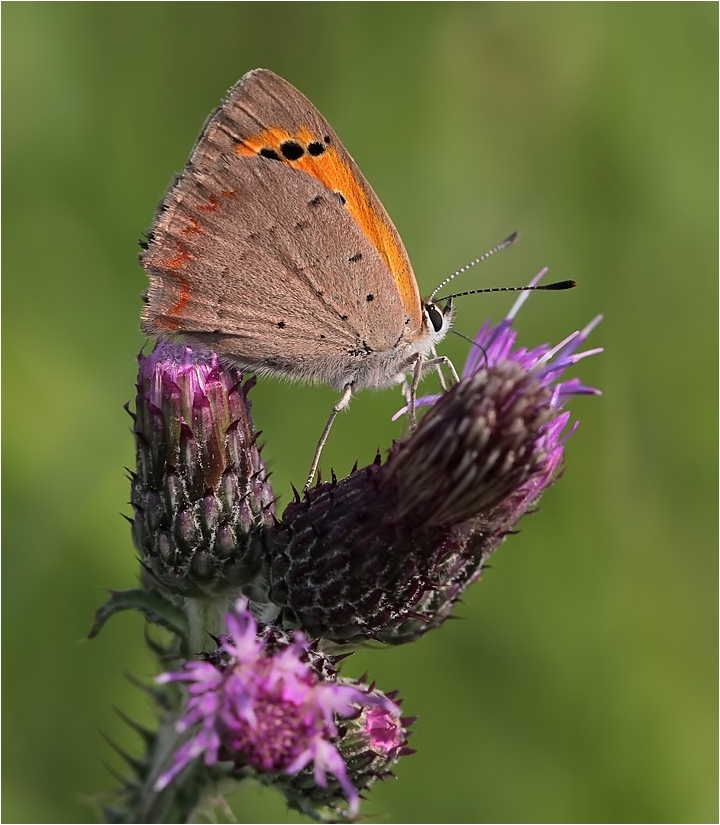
x,y
386,552
268,701
200,489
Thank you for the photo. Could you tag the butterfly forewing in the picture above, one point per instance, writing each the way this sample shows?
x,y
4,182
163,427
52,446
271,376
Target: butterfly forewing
x,y
268,258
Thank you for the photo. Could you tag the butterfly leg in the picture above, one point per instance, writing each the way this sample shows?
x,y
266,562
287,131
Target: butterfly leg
x,y
341,404
410,390
439,361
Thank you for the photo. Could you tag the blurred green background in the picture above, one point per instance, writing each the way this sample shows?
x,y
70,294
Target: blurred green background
x,y
580,683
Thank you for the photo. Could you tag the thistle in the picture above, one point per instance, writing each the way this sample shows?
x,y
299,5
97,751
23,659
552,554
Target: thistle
x,y
262,611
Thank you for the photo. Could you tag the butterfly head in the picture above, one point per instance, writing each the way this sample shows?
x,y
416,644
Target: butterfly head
x,y
438,320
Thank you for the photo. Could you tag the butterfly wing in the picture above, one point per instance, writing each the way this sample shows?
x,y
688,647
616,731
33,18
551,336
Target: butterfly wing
x,y
272,249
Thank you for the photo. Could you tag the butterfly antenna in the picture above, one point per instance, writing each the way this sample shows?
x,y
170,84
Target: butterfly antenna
x,y
556,285
509,241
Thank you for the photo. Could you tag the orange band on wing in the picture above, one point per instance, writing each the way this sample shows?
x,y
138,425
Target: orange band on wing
x,y
312,155
179,261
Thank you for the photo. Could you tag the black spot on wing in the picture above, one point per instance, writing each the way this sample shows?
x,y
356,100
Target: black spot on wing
x,y
291,150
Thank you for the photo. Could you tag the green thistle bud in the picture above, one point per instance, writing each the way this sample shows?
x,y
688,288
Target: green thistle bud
x,y
200,492
371,744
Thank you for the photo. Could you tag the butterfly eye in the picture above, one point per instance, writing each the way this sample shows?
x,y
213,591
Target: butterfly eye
x,y
436,317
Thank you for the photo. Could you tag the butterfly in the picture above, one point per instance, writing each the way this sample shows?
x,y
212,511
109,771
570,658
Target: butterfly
x,y
272,249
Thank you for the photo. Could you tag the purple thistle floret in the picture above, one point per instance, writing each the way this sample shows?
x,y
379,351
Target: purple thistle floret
x,y
548,364
263,705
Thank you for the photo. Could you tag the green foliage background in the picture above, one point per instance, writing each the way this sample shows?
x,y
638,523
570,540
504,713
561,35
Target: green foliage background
x,y
579,684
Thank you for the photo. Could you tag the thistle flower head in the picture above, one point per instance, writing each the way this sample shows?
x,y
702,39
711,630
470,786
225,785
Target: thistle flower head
x,y
386,552
269,701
